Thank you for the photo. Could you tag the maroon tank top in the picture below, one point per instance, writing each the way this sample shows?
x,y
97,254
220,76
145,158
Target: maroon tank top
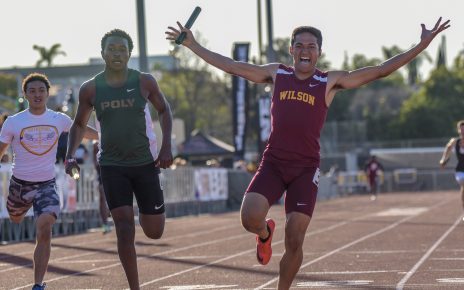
x,y
298,112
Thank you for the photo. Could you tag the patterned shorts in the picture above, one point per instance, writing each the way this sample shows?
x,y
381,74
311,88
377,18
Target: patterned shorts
x,y
42,196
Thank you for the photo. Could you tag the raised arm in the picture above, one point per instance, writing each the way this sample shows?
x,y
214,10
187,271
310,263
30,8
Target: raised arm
x,y
353,79
255,73
152,92
446,154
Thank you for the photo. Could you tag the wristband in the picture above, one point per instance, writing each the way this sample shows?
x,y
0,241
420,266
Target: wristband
x,y
69,160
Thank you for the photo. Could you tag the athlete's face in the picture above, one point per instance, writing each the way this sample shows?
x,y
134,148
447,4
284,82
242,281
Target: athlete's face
x,y
37,95
116,52
305,52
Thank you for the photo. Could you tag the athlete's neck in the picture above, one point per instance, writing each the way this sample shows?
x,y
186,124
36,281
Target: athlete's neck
x,y
37,111
302,75
116,78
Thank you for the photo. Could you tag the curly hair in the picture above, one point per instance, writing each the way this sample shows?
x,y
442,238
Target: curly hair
x,y
36,77
118,33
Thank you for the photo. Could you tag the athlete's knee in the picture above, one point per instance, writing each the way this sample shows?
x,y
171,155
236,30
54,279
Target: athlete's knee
x,y
125,231
154,232
293,243
251,222
44,233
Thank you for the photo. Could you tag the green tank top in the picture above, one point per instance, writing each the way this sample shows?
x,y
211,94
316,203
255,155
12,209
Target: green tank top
x,y
121,114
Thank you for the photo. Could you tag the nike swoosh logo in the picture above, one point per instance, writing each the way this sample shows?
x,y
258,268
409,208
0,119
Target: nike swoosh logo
x,y
130,90
312,85
158,207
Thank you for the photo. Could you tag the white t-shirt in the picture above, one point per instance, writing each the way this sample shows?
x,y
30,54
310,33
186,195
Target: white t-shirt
x,y
34,140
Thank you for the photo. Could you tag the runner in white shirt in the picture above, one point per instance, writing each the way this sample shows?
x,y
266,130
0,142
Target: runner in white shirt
x,y
33,135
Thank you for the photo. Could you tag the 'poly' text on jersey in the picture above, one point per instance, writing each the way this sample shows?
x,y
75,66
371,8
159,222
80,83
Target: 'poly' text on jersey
x,y
121,113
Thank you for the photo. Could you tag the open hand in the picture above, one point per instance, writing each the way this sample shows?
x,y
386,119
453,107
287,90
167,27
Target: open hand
x,y
429,35
173,33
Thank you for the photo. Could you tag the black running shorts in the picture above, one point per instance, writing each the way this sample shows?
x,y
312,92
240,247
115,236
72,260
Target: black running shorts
x,y
120,183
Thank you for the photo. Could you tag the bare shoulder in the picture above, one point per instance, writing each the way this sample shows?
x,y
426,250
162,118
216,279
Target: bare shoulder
x,y
147,78
87,93
88,88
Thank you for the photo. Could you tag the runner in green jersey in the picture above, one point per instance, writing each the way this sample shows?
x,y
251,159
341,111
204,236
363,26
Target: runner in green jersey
x,y
119,96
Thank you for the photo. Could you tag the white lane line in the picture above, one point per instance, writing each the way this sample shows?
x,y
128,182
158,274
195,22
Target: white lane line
x,y
353,243
411,272
143,258
247,251
350,272
451,280
64,240
88,253
190,247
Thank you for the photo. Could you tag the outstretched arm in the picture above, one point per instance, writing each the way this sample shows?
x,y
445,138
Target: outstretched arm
x,y
354,79
446,154
251,72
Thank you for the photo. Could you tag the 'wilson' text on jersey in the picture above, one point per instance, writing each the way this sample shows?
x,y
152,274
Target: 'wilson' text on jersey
x,y
297,96
298,112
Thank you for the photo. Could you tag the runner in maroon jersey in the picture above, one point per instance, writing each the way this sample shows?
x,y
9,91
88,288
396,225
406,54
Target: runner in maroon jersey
x,y
373,168
301,97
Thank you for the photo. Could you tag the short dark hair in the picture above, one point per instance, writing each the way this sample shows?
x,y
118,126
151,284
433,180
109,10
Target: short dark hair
x,y
118,33
36,77
314,31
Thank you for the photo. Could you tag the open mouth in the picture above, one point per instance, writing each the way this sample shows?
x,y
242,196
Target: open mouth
x,y
305,60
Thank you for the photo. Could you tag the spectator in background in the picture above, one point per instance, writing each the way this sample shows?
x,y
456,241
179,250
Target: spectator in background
x,y
373,169
81,154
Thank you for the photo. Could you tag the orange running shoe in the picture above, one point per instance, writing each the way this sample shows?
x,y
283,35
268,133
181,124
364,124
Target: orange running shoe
x,y
264,250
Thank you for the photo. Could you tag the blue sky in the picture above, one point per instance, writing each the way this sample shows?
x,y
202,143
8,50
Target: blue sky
x,y
354,26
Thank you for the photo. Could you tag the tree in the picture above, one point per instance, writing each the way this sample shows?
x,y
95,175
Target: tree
x,y
198,95
413,66
8,92
433,111
48,55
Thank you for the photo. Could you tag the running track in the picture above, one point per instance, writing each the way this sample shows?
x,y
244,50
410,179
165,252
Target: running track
x,y
400,241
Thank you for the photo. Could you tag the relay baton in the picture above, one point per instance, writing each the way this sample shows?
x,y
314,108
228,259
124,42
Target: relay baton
x,y
189,24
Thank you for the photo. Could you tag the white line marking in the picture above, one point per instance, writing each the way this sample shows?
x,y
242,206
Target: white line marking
x,y
350,272
403,211
333,283
249,251
451,280
411,272
27,265
352,243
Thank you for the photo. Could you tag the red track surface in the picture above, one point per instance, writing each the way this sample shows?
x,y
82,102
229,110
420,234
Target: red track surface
x,y
400,241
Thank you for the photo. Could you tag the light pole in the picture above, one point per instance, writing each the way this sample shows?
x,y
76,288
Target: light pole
x,y
143,62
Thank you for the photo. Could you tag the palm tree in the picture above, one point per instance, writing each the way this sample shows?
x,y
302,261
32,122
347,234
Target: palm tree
x,y
47,55
413,66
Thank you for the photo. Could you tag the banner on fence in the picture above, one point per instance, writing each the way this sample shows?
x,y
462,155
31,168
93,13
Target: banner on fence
x,y
211,184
